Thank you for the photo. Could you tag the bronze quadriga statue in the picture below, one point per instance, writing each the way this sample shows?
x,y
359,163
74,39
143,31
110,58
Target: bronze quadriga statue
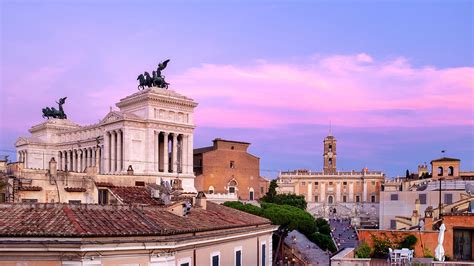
x,y
155,80
52,112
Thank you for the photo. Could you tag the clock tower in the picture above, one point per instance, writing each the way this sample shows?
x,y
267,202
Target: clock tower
x,y
329,155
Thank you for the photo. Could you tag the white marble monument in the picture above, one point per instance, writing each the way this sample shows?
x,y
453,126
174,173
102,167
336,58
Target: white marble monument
x,y
152,133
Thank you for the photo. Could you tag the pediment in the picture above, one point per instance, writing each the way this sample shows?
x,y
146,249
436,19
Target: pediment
x,y
21,141
112,117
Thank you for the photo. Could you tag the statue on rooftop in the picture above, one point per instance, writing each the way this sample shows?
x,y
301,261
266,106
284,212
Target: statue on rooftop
x,y
156,80
53,112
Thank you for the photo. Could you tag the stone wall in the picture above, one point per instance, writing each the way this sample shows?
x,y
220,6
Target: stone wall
x,y
429,239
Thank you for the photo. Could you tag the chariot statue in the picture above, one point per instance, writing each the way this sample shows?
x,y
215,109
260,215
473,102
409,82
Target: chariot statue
x,y
53,112
155,80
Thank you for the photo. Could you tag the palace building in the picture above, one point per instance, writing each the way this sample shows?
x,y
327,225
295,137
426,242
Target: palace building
x,y
150,135
336,193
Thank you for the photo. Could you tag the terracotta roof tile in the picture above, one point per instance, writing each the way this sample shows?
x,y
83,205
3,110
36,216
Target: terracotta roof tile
x,y
134,195
115,220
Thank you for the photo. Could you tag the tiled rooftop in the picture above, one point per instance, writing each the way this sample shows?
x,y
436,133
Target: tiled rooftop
x,y
134,195
116,220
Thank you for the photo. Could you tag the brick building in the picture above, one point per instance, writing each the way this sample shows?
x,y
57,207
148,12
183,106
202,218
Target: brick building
x,y
228,168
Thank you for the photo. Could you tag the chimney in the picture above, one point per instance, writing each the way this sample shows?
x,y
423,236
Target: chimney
x,y
417,205
53,167
201,200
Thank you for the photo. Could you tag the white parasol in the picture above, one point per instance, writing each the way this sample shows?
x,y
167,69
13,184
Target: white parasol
x,y
439,251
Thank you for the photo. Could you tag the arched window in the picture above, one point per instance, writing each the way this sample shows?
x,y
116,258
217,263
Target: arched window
x,y
251,194
211,190
451,171
440,171
232,185
330,161
330,148
330,200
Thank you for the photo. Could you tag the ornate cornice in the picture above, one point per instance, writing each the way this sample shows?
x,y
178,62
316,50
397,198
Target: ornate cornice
x,y
162,96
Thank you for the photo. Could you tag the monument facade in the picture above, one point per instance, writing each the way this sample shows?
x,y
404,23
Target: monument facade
x,y
150,134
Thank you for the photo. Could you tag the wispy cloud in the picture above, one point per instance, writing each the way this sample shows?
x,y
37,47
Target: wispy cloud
x,y
352,90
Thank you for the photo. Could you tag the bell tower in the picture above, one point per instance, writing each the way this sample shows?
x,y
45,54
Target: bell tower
x,y
329,155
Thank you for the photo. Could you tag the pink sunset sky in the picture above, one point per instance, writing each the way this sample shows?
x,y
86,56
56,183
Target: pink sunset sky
x,y
393,101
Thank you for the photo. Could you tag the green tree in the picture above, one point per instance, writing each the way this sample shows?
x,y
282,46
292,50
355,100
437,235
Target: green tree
x,y
363,251
323,241
323,226
408,242
270,195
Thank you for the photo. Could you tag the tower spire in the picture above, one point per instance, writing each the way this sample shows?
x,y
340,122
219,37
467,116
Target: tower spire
x,y
330,128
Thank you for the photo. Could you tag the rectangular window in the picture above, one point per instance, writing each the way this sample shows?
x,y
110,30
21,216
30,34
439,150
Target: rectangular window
x,y
238,257
393,224
303,183
372,198
344,183
261,190
3,197
316,199
29,200
344,199
103,196
373,183
357,198
316,183
184,261
74,202
264,254
232,190
330,183
139,183
215,260
422,198
232,164
448,198
393,197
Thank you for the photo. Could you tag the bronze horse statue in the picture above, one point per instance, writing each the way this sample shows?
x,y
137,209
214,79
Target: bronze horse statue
x,y
52,112
156,80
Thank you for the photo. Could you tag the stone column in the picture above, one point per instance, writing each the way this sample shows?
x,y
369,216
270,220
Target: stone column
x,y
88,157
69,160
338,192
157,150
26,159
174,153
106,151
323,193
113,147
18,156
76,161
80,158
190,154
119,151
165,152
310,192
184,154
364,191
351,191
59,160
97,161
